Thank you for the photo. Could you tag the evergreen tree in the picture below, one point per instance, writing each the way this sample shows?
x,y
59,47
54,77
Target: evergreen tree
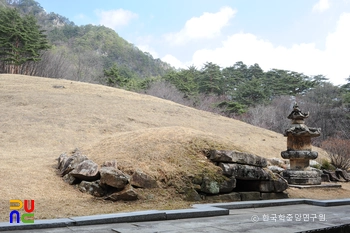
x,y
21,41
114,77
251,93
184,80
210,80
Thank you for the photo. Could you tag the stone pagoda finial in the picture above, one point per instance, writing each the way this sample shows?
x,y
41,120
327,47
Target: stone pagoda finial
x,y
296,115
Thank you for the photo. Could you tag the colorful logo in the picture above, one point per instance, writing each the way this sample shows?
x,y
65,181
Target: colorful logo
x,y
27,217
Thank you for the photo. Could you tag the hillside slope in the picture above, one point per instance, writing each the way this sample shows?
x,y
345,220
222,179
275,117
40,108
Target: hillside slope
x,y
41,118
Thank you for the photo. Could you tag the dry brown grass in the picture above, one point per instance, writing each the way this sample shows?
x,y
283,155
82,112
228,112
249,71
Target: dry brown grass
x,y
322,194
162,138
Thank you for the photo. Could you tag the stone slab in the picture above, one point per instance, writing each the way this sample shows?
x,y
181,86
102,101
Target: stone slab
x,y
302,177
138,216
269,196
38,224
327,203
255,204
227,156
265,186
245,172
343,228
315,186
228,197
250,196
207,211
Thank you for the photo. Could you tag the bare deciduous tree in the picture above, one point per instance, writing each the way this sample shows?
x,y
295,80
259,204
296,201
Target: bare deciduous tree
x,y
338,151
166,90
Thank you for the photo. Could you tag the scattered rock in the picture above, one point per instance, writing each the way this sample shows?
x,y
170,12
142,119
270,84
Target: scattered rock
x,y
113,177
331,175
278,162
86,170
341,174
227,156
210,186
142,180
191,195
68,178
127,194
62,159
72,162
325,178
92,188
314,163
112,163
58,86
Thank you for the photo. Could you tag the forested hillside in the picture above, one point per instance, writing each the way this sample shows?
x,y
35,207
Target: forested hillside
x,y
97,54
82,52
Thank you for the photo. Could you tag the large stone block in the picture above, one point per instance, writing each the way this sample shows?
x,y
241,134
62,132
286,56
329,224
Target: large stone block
x,y
142,180
268,196
71,162
228,197
113,177
250,196
227,156
92,188
191,195
278,184
227,185
86,170
245,172
302,177
127,194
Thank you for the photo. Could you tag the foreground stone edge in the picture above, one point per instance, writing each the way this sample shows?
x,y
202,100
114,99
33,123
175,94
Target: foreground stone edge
x,y
198,210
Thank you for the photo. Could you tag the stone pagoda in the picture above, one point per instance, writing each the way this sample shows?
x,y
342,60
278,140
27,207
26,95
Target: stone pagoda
x,y
299,150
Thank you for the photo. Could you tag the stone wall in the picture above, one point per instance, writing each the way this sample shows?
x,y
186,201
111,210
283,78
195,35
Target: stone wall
x,y
244,177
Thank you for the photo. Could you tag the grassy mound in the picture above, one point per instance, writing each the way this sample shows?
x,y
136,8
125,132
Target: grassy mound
x,y
41,118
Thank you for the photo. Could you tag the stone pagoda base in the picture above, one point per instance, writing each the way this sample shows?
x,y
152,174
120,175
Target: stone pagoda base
x,y
298,177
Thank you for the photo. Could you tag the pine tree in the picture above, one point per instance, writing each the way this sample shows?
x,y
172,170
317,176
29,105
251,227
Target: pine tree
x,y
211,81
21,41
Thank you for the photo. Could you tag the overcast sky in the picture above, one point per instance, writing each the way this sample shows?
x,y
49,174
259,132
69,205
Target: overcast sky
x,y
306,36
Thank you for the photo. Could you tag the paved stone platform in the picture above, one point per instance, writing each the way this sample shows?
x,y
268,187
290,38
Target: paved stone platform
x,y
288,215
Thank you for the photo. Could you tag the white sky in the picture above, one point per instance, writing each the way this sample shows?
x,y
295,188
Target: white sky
x,y
306,36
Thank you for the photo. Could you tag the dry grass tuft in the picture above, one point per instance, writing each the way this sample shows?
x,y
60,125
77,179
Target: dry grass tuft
x,y
39,122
